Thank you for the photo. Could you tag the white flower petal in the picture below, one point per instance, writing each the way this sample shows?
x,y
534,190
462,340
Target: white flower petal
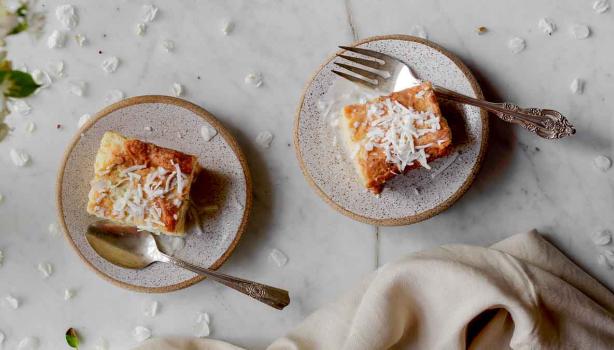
x,y
279,258
546,25
141,333
176,89
56,39
601,6
264,139
516,45
207,132
67,15
109,65
602,163
19,158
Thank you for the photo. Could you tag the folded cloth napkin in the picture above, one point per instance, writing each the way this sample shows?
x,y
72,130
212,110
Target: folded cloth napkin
x,y
521,293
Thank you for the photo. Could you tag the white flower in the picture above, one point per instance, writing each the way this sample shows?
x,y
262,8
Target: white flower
x,y
67,15
41,78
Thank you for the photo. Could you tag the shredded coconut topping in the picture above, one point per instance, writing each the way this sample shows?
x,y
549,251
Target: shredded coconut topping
x,y
393,127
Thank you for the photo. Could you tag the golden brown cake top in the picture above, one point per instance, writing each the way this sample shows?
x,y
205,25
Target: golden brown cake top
x,y
395,133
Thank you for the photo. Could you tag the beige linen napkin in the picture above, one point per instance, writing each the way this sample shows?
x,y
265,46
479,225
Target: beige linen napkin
x,y
521,293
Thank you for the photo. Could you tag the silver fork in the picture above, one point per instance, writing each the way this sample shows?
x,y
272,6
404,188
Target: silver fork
x,y
386,73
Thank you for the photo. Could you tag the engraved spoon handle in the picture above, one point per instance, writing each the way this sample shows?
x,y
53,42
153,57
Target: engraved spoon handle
x,y
275,297
546,123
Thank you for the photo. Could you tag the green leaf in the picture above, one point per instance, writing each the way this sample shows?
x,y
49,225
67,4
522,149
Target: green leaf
x,y
16,83
72,338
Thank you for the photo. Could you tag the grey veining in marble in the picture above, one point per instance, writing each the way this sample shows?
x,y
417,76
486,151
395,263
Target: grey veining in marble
x,y
526,182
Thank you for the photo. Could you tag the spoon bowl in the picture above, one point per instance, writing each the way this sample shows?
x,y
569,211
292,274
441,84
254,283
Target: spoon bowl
x,y
132,248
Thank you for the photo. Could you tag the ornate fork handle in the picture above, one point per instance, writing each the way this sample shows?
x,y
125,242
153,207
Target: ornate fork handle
x,y
546,123
275,297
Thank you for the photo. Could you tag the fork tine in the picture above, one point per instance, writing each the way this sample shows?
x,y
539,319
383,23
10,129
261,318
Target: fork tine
x,y
365,73
356,80
366,52
362,61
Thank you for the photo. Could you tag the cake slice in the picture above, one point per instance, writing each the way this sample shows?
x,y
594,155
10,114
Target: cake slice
x,y
392,134
140,184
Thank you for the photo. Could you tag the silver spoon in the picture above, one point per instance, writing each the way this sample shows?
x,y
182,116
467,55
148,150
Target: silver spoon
x,y
132,248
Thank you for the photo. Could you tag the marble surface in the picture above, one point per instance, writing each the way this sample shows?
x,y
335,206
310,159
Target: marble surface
x,y
525,182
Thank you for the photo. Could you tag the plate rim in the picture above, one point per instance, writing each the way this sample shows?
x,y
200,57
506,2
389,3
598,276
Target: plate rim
x,y
205,115
410,219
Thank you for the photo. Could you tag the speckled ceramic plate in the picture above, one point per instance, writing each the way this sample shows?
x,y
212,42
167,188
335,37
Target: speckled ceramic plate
x,y
225,182
421,193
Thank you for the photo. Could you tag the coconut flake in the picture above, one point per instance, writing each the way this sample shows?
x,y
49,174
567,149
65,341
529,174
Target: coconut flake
x,y
264,139
45,269
56,39
577,86
81,39
19,106
140,29
1,200
150,308
516,45
580,31
207,132
113,96
19,158
149,13
254,79
176,89
278,257
602,163
69,294
1,339
168,45
109,65
28,343
419,31
67,16
77,87
227,26
546,25
11,302
141,333
83,119
601,6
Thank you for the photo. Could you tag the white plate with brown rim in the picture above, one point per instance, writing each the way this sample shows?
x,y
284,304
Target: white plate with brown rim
x,y
224,187
419,194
